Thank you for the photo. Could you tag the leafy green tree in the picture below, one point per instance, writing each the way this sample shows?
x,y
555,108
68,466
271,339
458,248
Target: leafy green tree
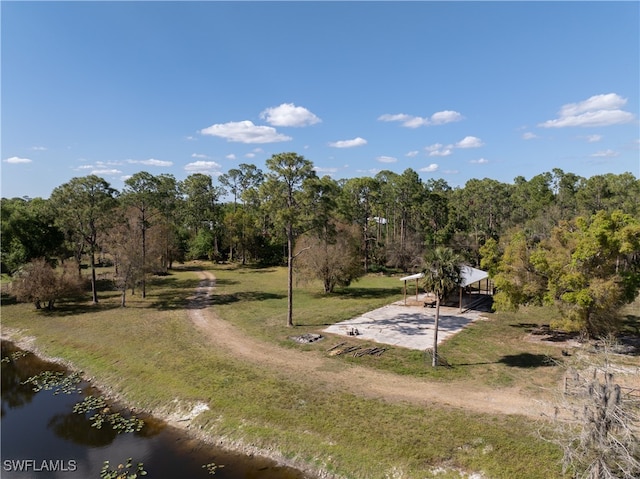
x,y
588,267
609,192
200,208
480,211
442,275
517,281
28,231
168,221
242,183
435,211
565,187
284,203
530,198
355,204
593,269
83,207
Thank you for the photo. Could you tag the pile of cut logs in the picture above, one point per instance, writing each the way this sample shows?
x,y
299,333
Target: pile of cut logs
x,y
355,351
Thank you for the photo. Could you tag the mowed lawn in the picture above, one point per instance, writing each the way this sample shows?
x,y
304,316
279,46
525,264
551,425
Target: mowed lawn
x,y
150,355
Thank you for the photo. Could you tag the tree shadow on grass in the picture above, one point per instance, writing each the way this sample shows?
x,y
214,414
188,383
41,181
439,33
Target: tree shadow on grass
x,y
527,360
62,309
355,293
220,299
226,282
551,335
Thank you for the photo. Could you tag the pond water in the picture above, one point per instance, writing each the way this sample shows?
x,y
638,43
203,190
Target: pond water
x,y
43,438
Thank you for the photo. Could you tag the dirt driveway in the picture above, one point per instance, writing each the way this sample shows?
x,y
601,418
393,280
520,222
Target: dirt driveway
x,y
334,375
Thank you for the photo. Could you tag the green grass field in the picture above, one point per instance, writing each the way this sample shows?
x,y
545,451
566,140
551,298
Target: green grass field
x,y
150,355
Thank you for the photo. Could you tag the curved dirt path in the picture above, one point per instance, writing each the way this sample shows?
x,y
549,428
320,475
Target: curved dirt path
x,y
296,365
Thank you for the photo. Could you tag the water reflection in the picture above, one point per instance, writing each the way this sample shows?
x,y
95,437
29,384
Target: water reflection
x,y
41,426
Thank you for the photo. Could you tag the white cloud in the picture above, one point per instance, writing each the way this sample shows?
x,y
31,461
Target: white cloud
x,y
202,166
38,148
230,156
598,110
430,169
594,138
438,149
386,159
106,172
446,116
443,152
397,117
412,153
480,161
410,121
529,136
605,154
199,156
349,143
610,101
151,162
288,114
245,132
415,122
469,142
16,160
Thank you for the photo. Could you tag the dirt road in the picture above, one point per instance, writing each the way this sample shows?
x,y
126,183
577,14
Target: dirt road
x,y
358,380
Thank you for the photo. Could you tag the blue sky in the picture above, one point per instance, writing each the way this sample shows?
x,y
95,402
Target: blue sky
x,y
454,90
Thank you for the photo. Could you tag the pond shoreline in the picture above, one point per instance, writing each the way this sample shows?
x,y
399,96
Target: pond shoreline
x,y
181,422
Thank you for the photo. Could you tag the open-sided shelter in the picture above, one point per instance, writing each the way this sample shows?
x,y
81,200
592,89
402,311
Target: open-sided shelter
x,y
474,281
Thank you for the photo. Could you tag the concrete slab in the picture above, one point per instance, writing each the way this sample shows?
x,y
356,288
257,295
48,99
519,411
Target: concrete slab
x,y
407,326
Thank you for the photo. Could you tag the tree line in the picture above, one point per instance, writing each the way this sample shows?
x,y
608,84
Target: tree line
x,y
554,238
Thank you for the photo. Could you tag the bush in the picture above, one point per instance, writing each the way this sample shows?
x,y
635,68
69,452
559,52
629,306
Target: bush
x,y
40,284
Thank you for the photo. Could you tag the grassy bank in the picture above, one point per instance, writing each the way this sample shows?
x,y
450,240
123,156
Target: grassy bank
x,y
151,355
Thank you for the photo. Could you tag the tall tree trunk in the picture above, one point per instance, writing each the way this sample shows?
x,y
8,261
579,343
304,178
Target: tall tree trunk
x,y
434,360
144,257
290,275
94,291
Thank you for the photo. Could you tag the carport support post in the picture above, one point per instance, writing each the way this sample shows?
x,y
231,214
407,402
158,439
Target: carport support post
x,y
405,292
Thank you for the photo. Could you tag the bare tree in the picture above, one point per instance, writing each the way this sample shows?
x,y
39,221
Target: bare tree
x,y
598,423
39,283
335,260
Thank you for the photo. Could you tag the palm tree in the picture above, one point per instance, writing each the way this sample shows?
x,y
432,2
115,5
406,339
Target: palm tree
x,y
442,274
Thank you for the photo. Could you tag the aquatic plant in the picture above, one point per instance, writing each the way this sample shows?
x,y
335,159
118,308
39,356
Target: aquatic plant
x,y
104,415
58,381
122,471
14,356
212,467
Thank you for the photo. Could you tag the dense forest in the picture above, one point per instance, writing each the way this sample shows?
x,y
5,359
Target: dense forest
x,y
554,238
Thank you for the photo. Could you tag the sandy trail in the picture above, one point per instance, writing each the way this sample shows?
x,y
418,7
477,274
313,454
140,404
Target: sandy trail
x,y
358,380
